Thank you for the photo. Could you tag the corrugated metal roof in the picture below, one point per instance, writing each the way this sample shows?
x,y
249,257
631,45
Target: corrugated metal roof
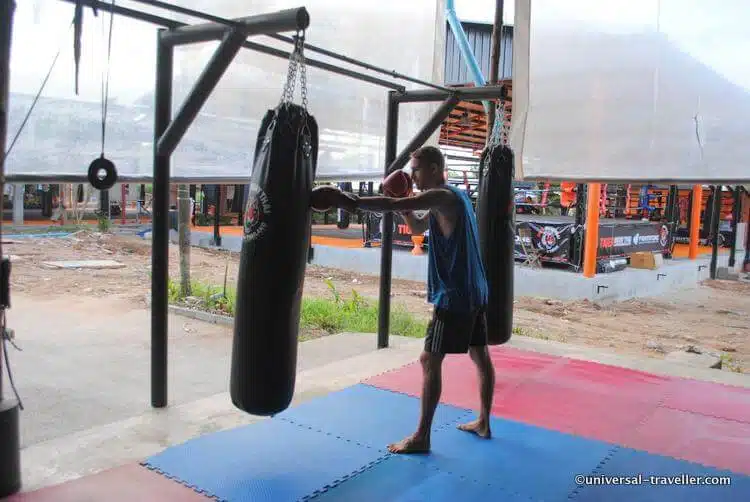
x,y
480,40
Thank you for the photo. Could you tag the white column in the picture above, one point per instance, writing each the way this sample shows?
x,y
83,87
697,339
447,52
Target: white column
x,y
18,191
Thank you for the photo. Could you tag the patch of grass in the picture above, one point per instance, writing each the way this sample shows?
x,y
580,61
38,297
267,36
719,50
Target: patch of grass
x,y
728,362
518,330
337,314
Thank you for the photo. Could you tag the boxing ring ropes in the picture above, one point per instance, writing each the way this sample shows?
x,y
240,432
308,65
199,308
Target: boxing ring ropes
x,y
169,131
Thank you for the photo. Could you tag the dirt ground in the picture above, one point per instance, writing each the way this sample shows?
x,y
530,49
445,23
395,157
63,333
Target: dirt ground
x,y
714,317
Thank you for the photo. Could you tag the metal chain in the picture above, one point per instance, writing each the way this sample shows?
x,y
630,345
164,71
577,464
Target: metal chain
x,y
296,63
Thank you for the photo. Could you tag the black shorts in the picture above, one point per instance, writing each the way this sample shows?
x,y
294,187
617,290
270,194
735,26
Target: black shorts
x,y
454,332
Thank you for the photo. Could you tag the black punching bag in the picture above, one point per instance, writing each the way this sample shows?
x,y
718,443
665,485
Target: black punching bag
x,y
496,221
271,276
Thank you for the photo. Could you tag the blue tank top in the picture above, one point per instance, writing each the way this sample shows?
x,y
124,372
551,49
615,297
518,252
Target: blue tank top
x,y
456,279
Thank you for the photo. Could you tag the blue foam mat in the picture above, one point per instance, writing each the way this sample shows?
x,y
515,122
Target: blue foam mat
x,y
402,479
271,460
369,415
523,459
630,463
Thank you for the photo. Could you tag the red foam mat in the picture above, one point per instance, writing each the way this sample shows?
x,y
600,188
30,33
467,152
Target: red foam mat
x,y
706,398
697,438
608,403
129,483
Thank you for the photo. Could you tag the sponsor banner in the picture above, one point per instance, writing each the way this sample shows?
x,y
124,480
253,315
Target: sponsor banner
x,y
401,233
627,238
551,240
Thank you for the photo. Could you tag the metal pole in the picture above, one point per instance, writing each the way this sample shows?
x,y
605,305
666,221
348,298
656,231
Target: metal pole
x,y
484,93
272,51
217,214
208,179
264,49
362,64
272,22
6,39
424,133
201,91
131,13
714,233
10,434
736,214
160,229
497,35
386,241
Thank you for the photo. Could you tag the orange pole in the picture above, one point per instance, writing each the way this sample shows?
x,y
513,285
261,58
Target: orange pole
x,y
695,221
591,244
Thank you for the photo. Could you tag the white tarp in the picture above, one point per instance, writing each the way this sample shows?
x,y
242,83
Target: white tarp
x,y
618,90
63,134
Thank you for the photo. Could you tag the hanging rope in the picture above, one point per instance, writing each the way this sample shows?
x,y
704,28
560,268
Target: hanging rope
x,y
105,77
36,98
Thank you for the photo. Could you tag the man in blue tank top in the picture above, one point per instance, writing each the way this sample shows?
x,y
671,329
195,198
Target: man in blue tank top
x,y
456,286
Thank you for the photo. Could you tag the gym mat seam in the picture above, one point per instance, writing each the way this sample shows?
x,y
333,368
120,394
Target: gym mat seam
x,y
196,489
612,451
707,415
401,393
338,481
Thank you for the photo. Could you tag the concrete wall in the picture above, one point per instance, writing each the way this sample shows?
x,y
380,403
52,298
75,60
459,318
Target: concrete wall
x,y
545,283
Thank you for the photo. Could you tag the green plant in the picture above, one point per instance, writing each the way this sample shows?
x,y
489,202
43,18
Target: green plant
x,y
103,223
331,315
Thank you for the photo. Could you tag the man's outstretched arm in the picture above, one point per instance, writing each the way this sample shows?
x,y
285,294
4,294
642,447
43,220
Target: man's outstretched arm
x,y
431,199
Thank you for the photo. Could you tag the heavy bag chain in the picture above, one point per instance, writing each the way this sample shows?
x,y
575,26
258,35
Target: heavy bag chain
x,y
500,129
297,63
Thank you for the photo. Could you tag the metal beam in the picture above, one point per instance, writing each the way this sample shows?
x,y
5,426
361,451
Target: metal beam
x,y
160,226
483,93
424,133
201,91
131,13
272,22
264,49
193,180
347,59
386,239
272,51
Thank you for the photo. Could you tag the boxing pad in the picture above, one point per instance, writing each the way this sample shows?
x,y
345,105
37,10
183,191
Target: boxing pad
x,y
273,259
495,218
397,184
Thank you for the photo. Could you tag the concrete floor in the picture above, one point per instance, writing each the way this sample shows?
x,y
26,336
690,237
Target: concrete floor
x,y
84,373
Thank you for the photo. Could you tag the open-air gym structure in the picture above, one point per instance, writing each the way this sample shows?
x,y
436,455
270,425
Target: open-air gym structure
x,y
577,423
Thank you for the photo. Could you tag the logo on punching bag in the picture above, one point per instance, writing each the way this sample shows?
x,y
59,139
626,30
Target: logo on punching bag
x,y
256,214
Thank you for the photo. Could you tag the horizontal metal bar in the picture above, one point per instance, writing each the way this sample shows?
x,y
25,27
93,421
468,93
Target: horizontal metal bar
x,y
424,133
202,89
326,66
272,22
210,179
347,59
124,11
264,49
483,93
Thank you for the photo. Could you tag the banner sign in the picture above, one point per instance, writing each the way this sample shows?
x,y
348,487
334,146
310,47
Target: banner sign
x,y
551,240
401,233
622,239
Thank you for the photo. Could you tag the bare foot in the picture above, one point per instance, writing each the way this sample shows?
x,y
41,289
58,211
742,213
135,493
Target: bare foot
x,y
412,444
478,427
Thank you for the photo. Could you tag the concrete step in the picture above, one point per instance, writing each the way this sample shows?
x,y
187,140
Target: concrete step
x,y
325,365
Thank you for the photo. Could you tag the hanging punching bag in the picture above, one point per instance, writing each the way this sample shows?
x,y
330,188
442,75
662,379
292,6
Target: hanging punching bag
x,y
272,262
495,218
